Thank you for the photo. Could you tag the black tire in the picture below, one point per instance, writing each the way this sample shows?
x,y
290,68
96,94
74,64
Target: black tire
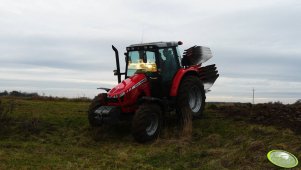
x,y
147,122
94,119
191,98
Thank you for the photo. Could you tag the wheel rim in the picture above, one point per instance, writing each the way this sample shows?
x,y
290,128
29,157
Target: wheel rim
x,y
195,99
152,128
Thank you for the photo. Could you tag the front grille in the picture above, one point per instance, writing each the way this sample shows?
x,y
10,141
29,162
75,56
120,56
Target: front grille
x,y
113,100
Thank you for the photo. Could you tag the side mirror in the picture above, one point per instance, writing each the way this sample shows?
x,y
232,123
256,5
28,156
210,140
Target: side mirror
x,y
125,57
115,72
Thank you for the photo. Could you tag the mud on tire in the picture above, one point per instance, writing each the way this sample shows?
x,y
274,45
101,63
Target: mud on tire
x,y
147,122
98,101
191,98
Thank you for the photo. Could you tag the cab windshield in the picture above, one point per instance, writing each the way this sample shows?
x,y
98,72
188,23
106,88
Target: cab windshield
x,y
141,62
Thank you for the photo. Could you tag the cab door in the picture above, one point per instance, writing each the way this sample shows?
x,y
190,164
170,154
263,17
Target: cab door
x,y
169,65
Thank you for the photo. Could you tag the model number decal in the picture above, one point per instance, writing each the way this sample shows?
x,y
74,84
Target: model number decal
x,y
136,85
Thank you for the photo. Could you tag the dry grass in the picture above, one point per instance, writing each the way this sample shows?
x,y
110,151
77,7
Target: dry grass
x,y
56,135
6,110
186,130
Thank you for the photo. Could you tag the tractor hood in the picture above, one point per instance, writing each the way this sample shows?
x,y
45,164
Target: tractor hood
x,y
127,85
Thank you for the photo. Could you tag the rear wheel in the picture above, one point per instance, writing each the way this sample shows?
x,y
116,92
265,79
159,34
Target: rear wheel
x,y
147,122
191,97
94,119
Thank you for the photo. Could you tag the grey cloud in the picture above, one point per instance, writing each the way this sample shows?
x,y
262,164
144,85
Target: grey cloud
x,y
250,40
69,53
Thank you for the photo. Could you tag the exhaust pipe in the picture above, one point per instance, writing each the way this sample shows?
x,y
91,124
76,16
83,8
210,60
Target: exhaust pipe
x,y
117,72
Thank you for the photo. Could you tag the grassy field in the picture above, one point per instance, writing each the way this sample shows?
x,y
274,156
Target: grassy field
x,y
37,134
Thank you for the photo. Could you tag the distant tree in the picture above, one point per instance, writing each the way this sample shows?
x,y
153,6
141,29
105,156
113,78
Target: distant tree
x,y
15,93
22,94
298,101
5,93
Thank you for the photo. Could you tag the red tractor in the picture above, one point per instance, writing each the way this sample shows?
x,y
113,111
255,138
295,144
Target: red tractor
x,y
157,80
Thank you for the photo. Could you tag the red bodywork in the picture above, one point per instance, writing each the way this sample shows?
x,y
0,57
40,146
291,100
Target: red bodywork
x,y
178,77
126,93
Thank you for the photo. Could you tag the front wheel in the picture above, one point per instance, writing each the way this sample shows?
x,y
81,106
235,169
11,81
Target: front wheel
x,y
147,122
94,119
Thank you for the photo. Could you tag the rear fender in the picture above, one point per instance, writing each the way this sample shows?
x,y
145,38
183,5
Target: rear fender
x,y
179,76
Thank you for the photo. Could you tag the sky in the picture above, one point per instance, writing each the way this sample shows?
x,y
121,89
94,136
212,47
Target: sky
x,y
63,48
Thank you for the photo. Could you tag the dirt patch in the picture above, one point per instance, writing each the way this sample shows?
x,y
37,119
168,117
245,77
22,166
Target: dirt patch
x,y
277,114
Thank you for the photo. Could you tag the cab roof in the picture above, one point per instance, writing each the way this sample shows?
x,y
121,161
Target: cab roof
x,y
160,44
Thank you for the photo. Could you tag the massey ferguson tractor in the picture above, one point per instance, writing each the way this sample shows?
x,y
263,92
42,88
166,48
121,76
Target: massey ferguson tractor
x,y
157,80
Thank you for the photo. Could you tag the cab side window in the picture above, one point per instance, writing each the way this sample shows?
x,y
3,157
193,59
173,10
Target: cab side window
x,y
168,64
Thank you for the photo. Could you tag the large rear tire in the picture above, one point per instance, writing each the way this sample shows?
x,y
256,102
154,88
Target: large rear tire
x,y
147,122
94,119
191,97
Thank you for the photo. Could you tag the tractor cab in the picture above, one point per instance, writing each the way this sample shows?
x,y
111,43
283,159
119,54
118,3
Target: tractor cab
x,y
159,61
